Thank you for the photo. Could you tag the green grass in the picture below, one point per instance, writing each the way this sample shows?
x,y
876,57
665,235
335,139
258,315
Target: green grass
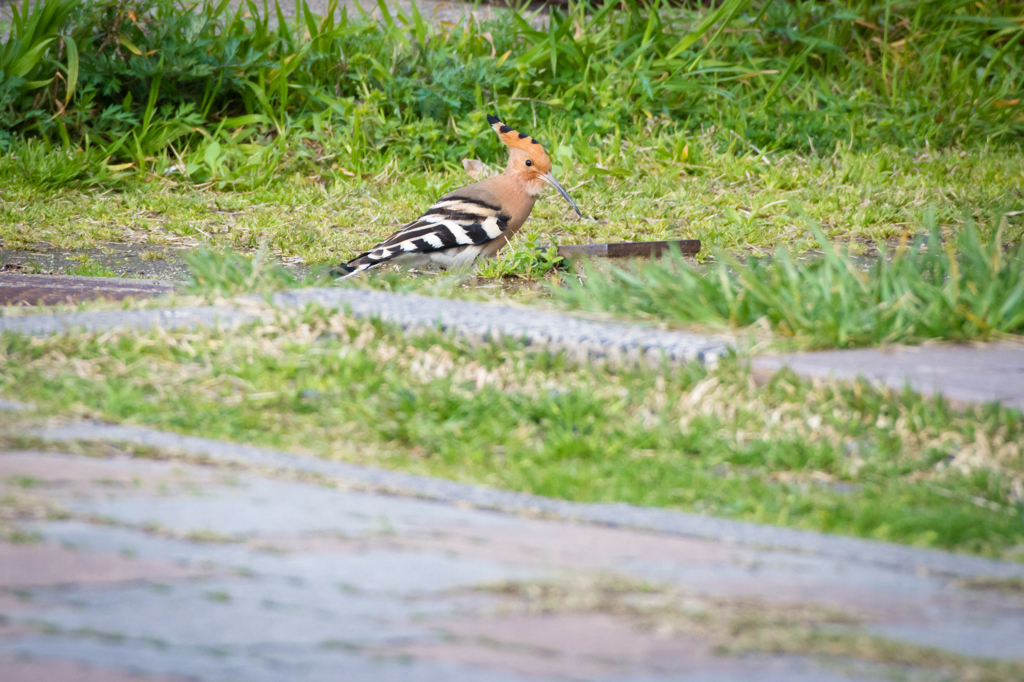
x,y
87,267
212,94
742,125
732,202
959,288
840,458
227,273
321,135
528,259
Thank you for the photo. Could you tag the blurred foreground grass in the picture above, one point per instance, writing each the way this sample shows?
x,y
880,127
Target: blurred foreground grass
x,y
840,458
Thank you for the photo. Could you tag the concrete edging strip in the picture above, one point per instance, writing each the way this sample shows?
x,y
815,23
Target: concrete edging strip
x,y
849,549
168,318
581,339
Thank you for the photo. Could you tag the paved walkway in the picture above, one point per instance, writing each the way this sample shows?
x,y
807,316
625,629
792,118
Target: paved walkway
x,y
963,373
231,562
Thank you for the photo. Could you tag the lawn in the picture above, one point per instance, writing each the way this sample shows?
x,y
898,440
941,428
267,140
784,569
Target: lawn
x,y
732,201
854,171
750,126
321,135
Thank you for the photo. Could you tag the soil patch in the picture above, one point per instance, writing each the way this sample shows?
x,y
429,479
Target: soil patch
x,y
111,259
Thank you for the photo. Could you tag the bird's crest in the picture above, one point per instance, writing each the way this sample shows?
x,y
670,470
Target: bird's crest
x,y
513,138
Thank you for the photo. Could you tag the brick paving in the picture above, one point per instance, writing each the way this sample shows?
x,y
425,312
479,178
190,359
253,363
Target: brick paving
x,y
226,564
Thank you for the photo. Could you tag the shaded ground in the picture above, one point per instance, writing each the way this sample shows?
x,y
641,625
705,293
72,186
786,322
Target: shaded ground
x,y
112,259
124,564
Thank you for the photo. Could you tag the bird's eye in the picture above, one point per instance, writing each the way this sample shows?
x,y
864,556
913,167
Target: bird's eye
x,y
529,163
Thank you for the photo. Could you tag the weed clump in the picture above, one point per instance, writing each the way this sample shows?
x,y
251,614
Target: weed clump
x,y
959,288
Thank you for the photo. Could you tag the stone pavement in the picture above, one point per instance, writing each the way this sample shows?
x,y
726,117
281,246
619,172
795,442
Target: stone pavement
x,y
963,373
210,561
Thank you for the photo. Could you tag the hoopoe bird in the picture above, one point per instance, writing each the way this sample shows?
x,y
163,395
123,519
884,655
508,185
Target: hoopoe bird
x,y
473,222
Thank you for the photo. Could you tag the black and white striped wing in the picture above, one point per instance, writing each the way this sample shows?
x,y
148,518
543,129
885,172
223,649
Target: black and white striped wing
x,y
451,222
458,222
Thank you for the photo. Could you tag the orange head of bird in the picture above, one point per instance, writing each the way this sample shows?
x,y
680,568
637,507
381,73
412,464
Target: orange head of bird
x,y
528,161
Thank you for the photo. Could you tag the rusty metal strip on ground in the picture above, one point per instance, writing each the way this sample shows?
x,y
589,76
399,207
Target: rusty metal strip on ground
x,y
687,247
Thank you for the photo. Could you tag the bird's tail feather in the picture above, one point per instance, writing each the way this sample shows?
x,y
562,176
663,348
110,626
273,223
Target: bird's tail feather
x,y
353,267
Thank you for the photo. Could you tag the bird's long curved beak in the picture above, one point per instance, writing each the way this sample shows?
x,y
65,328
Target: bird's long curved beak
x,y
550,179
